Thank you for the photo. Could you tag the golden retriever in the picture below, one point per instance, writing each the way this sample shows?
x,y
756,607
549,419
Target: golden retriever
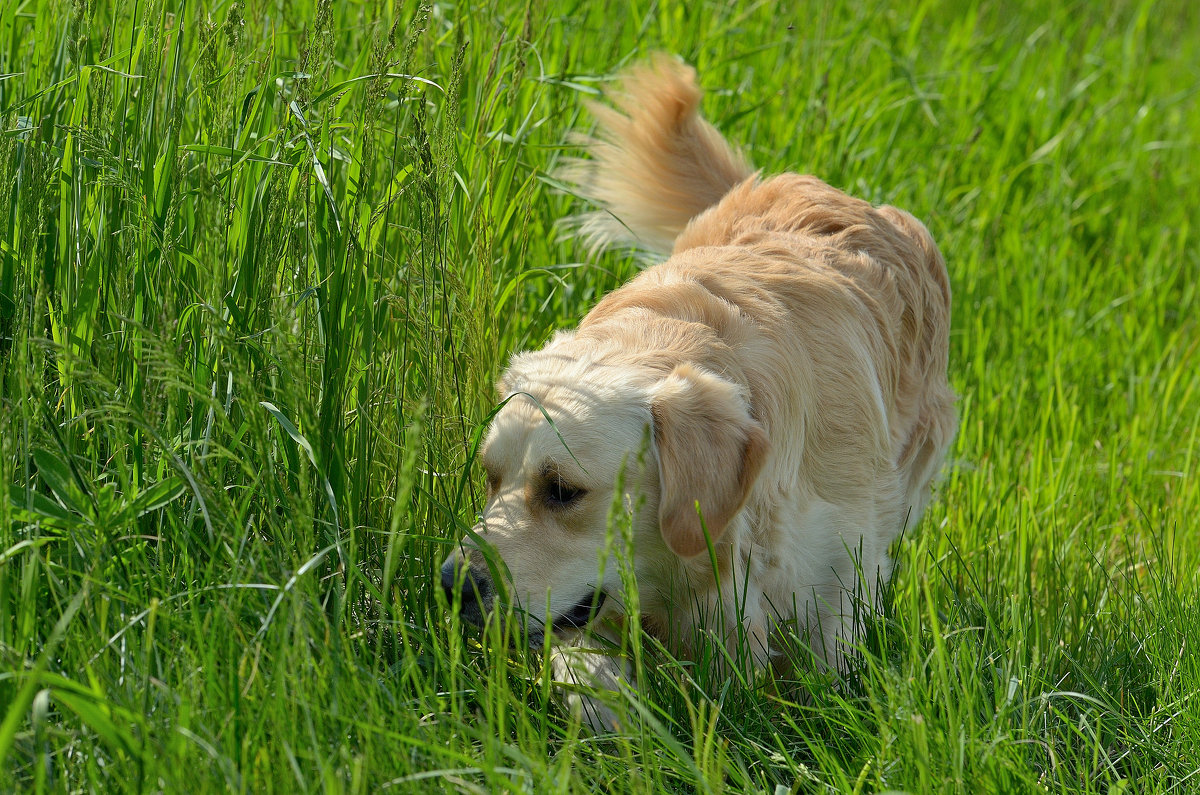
x,y
771,397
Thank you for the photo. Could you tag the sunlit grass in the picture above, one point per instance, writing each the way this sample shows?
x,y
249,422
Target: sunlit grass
x,y
260,263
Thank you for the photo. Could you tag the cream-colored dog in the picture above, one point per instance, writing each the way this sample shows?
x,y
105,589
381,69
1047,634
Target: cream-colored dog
x,y
774,392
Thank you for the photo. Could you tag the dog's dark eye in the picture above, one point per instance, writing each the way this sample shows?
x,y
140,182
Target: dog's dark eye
x,y
560,494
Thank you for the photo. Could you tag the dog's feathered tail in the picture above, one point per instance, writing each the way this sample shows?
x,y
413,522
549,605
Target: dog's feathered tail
x,y
656,163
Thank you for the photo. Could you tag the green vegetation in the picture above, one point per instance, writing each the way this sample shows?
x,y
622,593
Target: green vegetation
x,y
260,262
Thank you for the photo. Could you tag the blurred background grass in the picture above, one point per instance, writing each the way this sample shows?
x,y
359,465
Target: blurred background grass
x,y
260,263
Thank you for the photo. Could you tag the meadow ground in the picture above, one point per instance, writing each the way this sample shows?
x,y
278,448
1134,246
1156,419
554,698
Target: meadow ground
x,y
260,261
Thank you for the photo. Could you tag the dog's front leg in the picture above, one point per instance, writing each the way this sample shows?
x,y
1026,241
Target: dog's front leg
x,y
583,670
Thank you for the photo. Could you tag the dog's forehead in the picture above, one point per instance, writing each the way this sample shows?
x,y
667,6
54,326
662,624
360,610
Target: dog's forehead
x,y
527,419
520,419
564,422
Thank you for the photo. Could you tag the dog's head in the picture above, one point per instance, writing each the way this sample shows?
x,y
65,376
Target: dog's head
x,y
569,434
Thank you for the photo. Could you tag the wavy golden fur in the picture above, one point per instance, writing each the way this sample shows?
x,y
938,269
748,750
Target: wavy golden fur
x,y
787,363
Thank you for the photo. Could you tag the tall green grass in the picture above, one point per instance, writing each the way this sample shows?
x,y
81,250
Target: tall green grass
x,y
260,262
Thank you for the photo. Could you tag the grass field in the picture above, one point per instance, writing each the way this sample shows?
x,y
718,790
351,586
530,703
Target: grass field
x,y
260,262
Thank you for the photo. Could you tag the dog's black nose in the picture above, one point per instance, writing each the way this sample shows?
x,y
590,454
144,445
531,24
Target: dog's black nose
x,y
449,575
453,582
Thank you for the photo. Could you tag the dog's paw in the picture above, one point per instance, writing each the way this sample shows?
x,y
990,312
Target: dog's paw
x,y
593,712
583,674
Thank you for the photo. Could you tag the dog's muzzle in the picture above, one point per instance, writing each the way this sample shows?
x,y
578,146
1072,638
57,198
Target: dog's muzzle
x,y
475,594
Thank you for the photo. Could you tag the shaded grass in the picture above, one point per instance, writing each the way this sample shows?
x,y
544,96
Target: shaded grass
x,y
258,267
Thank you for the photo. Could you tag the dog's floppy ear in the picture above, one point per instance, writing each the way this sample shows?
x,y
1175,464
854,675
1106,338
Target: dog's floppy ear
x,y
709,452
